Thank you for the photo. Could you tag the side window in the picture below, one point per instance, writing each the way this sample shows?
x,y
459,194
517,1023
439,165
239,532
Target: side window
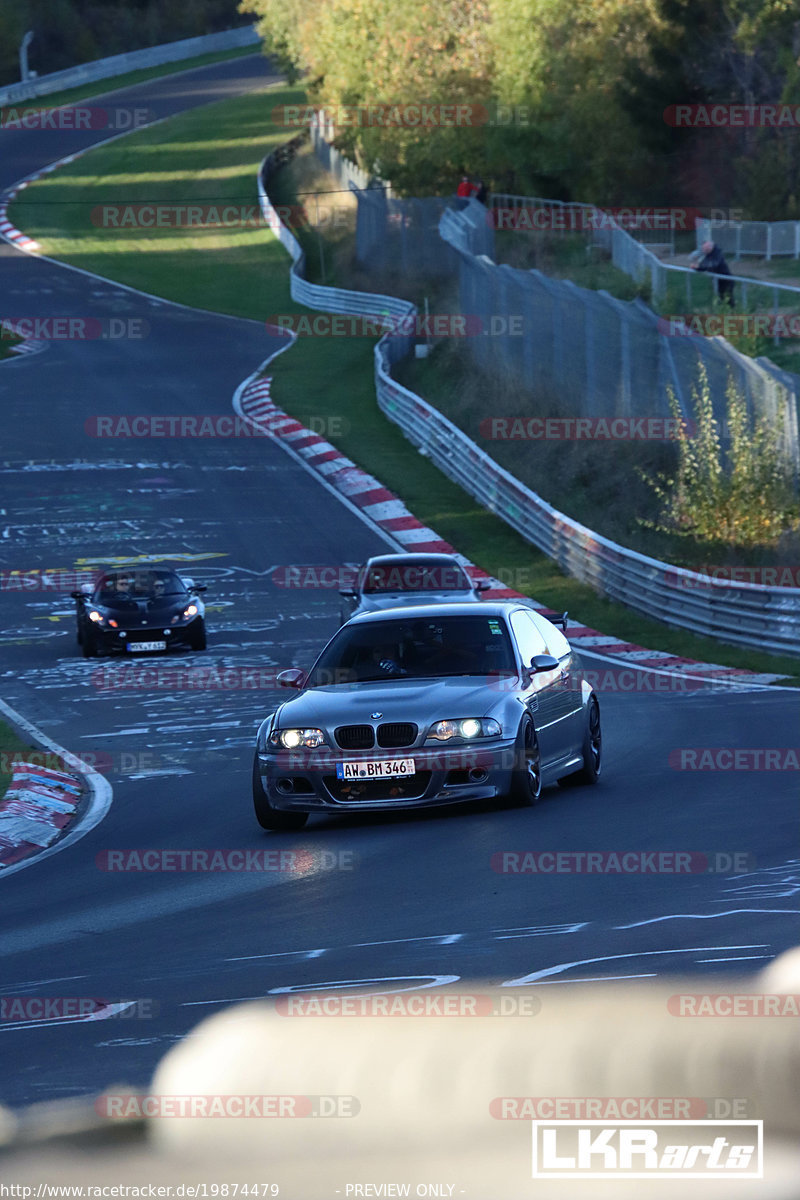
x,y
528,637
557,644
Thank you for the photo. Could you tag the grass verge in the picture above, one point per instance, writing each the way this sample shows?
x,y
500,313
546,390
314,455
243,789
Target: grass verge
x,y
7,343
12,748
210,156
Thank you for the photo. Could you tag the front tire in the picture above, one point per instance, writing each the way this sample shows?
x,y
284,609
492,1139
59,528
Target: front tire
x,y
269,817
88,644
526,782
592,749
198,635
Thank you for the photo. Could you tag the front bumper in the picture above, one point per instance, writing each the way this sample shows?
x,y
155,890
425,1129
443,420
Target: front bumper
x,y
305,781
112,641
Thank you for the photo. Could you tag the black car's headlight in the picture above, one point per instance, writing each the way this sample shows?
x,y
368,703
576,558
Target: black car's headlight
x,y
102,619
294,739
190,611
468,729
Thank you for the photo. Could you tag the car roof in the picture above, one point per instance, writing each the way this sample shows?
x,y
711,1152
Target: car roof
x,y
424,556
454,608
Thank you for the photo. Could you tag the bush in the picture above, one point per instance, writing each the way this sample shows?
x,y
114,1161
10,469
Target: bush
x,y
742,498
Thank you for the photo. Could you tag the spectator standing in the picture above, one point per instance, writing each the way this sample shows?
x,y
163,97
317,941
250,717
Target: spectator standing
x,y
713,261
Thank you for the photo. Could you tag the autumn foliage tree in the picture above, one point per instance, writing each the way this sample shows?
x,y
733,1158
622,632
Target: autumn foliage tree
x,y
575,93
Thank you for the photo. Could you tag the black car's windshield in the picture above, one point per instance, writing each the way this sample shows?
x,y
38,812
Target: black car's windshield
x,y
124,587
416,649
415,575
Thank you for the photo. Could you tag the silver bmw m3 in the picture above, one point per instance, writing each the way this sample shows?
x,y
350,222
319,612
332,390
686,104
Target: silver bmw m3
x,y
428,705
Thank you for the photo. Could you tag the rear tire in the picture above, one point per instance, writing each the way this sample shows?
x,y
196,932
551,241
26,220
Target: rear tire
x,y
269,817
592,750
526,783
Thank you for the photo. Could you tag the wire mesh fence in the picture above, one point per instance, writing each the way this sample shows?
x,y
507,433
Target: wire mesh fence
x,y
605,357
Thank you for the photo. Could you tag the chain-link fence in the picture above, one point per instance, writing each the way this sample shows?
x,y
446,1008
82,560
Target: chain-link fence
x,y
347,173
605,357
673,288
403,235
764,239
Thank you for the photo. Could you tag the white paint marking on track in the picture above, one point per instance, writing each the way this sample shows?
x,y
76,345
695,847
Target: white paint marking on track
x,y
731,912
548,972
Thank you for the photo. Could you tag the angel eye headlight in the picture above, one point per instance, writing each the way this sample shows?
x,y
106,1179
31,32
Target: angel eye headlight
x,y
291,739
468,728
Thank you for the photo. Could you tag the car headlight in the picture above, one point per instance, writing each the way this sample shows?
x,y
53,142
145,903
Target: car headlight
x,y
468,728
293,739
190,611
97,617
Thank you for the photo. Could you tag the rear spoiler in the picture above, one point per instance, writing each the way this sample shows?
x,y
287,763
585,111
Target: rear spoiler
x,y
555,619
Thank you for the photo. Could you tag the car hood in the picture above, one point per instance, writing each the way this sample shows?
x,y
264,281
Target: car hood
x,y
139,613
417,700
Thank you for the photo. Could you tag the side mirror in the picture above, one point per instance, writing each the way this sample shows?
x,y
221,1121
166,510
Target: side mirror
x,y
200,587
543,662
348,593
483,585
293,678
76,595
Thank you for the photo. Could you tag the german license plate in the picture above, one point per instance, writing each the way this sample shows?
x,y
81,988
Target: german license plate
x,y
139,646
383,768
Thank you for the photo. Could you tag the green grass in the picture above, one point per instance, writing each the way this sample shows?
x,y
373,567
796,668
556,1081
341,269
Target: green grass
x,y
211,155
7,343
12,747
116,82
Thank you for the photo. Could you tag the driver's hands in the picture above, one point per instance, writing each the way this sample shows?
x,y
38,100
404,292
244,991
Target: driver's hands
x,y
391,667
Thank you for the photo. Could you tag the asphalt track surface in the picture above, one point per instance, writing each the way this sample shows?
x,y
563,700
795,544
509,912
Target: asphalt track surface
x,y
407,899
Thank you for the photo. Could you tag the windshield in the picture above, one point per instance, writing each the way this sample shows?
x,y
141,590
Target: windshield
x,y
123,586
417,649
415,575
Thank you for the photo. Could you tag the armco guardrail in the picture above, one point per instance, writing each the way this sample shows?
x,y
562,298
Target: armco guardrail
x,y
745,614
318,296
121,64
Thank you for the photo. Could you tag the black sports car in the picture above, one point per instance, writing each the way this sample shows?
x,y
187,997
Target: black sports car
x,y
429,705
139,611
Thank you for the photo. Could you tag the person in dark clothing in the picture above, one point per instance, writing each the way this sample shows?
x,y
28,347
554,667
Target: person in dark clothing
x,y
480,192
713,261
